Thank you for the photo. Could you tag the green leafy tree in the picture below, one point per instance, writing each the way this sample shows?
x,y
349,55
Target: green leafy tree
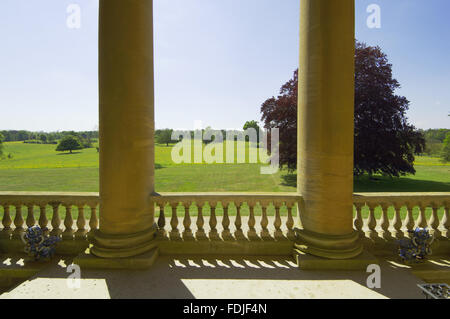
x,y
434,139
164,136
209,131
69,143
51,138
43,138
252,124
445,153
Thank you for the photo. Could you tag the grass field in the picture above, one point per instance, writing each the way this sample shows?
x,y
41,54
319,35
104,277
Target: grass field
x,y
38,167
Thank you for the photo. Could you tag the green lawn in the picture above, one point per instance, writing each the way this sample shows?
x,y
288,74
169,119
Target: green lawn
x,y
44,156
38,167
427,179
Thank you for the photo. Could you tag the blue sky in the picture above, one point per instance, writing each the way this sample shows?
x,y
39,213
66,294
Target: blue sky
x,y
216,61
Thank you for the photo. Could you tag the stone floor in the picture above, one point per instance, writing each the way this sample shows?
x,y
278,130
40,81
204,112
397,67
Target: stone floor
x,y
222,278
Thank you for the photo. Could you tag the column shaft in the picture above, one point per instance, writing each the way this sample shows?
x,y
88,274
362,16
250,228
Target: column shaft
x,y
126,114
326,128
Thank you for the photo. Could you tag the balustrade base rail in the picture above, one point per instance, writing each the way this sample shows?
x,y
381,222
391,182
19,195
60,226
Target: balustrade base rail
x,y
232,244
381,243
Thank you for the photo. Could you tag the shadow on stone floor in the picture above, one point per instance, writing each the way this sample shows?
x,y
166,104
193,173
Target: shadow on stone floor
x,y
187,277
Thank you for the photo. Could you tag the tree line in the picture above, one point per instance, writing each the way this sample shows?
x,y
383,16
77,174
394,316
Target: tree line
x,y
434,140
165,136
66,140
87,137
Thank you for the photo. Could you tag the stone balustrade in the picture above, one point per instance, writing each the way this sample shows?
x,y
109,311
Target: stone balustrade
x,y
391,215
269,217
207,215
46,210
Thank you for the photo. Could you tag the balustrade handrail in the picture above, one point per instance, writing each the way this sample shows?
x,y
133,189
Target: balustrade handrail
x,y
225,197
389,198
36,198
403,198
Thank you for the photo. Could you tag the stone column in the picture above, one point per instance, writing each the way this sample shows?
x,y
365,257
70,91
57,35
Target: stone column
x,y
325,129
126,113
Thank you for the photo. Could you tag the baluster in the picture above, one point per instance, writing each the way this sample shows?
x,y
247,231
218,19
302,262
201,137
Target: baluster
x,y
43,221
226,221
277,222
397,221
264,220
7,221
200,234
409,221
56,220
422,220
81,222
446,221
161,219
18,222
174,233
93,221
187,220
384,221
290,220
238,222
371,221
358,222
213,221
68,223
30,216
434,221
251,221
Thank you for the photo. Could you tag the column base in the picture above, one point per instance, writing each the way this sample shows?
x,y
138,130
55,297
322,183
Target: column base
x,y
144,261
123,246
328,246
309,262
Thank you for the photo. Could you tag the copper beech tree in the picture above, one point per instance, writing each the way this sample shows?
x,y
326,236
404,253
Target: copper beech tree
x,y
385,143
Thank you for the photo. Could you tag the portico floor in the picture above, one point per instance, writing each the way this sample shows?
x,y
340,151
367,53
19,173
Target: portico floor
x,y
222,278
